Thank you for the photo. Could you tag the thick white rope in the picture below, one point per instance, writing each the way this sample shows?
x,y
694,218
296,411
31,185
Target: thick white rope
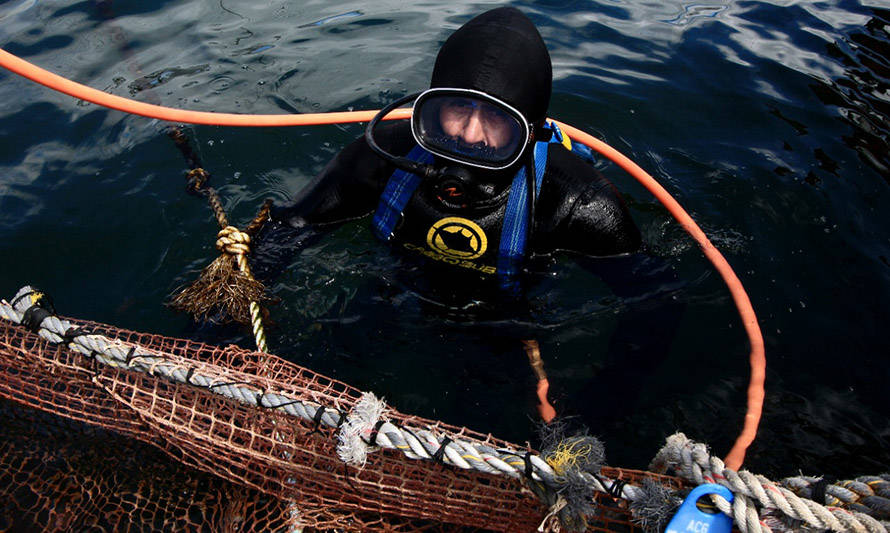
x,y
692,461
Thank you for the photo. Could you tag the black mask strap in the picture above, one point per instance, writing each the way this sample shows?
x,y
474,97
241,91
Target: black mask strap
x,y
424,171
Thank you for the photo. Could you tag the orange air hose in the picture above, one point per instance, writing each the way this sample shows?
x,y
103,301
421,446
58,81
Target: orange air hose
x,y
64,85
756,393
736,456
533,351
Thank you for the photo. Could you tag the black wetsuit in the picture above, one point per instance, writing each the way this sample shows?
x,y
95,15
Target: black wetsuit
x,y
499,53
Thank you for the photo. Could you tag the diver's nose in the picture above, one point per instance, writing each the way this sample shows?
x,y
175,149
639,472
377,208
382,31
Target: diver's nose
x,y
473,130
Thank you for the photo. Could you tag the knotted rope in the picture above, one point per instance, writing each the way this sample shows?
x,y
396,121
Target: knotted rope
x,y
757,499
225,289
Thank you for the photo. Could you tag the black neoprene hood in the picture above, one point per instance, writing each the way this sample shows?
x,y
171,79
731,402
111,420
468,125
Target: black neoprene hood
x,y
500,53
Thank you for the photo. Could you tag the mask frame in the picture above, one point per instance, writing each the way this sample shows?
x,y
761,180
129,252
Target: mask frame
x,y
430,171
521,136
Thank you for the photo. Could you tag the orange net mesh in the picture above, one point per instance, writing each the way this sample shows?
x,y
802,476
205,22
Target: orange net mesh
x,y
236,467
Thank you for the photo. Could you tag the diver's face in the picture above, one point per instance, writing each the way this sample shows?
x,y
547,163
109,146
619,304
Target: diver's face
x,y
474,122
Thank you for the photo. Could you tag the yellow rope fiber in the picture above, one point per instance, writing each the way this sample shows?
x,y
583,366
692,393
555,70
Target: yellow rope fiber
x,y
569,454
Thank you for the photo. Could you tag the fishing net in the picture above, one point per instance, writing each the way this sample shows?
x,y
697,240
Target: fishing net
x,y
85,444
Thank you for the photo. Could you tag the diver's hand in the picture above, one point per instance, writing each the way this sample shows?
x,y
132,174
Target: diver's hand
x,y
283,214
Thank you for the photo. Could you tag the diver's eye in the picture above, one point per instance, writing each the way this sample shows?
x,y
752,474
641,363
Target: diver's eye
x,y
459,107
463,103
494,117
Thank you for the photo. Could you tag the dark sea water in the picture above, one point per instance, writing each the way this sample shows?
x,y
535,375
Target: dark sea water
x,y
768,122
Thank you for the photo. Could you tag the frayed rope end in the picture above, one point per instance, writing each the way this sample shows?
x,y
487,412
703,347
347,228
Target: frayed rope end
x,y
360,424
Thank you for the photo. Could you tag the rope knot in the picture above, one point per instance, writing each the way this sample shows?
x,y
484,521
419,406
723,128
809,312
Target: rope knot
x,y
232,241
196,179
551,523
574,459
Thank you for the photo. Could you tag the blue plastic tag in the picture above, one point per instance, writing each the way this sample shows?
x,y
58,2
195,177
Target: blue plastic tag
x,y
690,519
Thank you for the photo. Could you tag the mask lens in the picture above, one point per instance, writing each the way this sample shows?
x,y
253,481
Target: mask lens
x,y
469,128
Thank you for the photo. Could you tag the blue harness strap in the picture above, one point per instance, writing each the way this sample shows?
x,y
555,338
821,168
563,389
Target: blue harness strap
x,y
515,231
514,234
398,191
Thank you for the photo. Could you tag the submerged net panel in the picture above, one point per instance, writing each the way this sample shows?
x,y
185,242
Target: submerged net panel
x,y
61,475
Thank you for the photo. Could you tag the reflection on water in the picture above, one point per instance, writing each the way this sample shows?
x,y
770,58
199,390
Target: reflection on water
x,y
332,19
863,93
691,12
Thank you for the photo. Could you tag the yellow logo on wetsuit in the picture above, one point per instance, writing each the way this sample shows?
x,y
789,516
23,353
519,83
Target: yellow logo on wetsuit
x,y
455,241
458,238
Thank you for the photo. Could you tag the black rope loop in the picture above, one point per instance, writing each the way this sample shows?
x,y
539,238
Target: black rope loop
x,y
817,490
316,420
73,332
42,300
220,384
614,490
529,469
441,451
17,299
130,355
189,374
372,439
617,487
34,316
284,404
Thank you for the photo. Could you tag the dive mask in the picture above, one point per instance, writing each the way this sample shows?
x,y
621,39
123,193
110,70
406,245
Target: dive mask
x,y
469,127
461,125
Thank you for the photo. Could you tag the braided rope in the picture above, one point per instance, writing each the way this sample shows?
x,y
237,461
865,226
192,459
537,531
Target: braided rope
x,y
866,493
232,241
197,180
260,219
692,461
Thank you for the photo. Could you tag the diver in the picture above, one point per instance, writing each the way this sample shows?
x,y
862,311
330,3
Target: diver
x,y
477,183
458,183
